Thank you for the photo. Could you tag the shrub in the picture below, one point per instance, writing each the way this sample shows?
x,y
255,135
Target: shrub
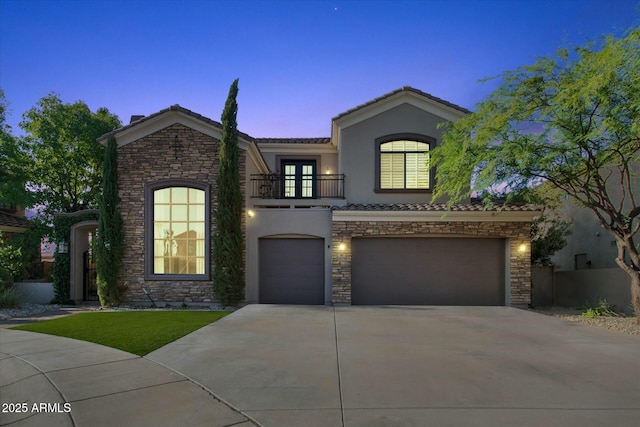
x,y
10,297
598,308
11,263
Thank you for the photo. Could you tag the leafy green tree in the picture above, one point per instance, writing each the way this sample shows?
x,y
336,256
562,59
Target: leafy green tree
x,y
12,191
109,239
11,262
571,121
228,273
59,159
548,236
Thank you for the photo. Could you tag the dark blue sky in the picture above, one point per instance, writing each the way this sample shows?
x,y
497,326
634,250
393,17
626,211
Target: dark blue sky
x,y
300,63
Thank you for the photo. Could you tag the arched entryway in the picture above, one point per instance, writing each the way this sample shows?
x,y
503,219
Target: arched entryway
x,y
83,275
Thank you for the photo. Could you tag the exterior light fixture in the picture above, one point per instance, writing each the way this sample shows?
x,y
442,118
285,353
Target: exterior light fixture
x,y
342,247
250,213
63,247
522,248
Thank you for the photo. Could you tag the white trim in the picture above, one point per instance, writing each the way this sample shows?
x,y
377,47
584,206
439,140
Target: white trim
x,y
297,148
434,216
405,97
162,121
256,157
169,118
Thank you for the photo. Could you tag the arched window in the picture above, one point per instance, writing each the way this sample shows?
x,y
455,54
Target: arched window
x,y
177,230
404,164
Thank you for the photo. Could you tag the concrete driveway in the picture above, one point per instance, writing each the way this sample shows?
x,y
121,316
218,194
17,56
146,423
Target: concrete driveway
x,y
413,366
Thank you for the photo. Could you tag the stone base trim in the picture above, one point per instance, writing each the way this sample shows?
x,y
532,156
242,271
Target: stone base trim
x,y
518,272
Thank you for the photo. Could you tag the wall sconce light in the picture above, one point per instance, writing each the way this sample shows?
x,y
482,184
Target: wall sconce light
x,y
250,213
63,247
342,247
522,248
328,172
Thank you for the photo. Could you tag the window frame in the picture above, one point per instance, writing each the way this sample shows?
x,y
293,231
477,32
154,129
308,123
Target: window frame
x,y
149,190
400,137
299,178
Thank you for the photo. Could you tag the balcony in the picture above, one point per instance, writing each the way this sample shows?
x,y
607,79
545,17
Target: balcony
x,y
297,187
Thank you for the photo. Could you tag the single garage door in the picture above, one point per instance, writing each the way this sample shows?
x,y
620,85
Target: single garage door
x,y
428,271
291,271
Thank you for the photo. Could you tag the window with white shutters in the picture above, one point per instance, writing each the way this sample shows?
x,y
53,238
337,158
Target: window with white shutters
x,y
404,165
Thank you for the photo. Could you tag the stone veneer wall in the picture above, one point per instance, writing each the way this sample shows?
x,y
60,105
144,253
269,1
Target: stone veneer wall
x,y
150,159
517,232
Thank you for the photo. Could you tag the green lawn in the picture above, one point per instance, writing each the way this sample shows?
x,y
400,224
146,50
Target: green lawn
x,y
137,332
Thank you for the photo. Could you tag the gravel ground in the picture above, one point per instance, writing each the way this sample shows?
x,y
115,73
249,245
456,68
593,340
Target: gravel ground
x,y
28,310
626,325
41,311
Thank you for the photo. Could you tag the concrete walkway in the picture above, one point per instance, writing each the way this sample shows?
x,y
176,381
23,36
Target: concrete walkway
x,y
413,366
101,386
294,366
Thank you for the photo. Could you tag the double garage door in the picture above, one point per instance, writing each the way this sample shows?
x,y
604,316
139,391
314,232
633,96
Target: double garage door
x,y
386,271
428,271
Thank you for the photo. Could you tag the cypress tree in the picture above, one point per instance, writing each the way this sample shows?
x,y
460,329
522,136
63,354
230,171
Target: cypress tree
x,y
108,246
228,273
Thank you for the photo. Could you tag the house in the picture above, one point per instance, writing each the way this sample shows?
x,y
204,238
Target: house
x,y
12,220
590,246
585,269
344,219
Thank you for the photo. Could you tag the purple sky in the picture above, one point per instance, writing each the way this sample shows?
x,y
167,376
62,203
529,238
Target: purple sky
x,y
300,63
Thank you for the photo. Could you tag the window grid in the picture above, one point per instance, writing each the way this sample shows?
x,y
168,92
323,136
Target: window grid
x,y
179,231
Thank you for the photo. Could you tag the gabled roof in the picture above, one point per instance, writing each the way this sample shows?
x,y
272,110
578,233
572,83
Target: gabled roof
x,y
138,120
407,89
406,95
322,140
176,114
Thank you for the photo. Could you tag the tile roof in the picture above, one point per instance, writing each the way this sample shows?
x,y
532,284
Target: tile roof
x,y
403,89
441,207
141,119
9,220
293,140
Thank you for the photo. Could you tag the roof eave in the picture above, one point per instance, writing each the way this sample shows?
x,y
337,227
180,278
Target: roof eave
x,y
435,216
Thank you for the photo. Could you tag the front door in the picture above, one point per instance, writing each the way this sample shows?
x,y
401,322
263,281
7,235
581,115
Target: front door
x,y
299,180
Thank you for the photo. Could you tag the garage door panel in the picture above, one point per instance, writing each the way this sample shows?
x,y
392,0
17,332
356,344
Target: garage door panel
x,y
291,271
432,271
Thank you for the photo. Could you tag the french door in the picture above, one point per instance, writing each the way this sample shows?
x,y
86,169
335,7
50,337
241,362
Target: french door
x,y
299,179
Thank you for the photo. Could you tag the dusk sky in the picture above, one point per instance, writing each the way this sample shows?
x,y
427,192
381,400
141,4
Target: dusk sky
x,y
300,63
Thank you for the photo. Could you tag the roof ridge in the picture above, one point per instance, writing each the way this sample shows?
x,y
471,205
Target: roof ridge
x,y
396,91
176,108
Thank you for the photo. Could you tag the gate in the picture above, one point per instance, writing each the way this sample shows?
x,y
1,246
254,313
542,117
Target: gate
x,y
89,281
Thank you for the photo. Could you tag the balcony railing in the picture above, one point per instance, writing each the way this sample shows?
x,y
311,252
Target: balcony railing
x,y
276,186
